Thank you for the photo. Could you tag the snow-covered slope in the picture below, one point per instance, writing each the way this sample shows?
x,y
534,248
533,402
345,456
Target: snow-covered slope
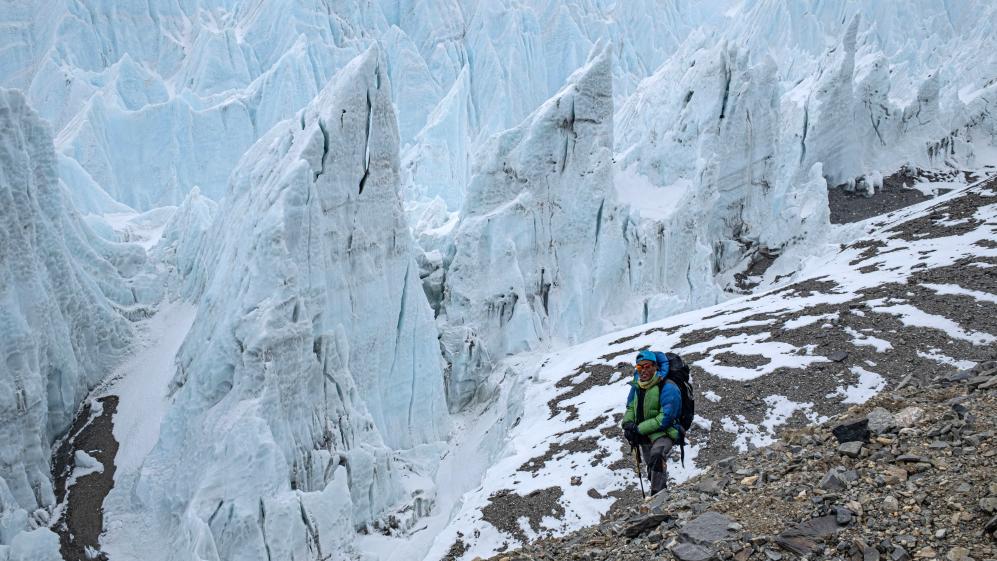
x,y
914,296
64,296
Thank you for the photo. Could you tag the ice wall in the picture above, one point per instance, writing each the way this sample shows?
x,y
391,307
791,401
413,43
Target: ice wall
x,y
151,99
720,153
899,83
856,123
717,153
154,156
314,356
915,38
183,240
534,211
713,132
439,163
714,163
63,296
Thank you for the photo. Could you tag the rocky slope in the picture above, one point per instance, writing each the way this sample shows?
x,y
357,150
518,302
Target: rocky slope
x,y
913,479
914,299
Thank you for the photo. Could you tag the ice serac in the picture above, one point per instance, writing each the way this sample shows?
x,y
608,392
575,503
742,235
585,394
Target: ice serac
x,y
183,239
414,88
828,133
534,213
154,156
880,85
710,164
63,298
133,87
314,358
439,164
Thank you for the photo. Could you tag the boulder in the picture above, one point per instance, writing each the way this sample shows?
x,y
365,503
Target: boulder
x,y
851,449
832,482
881,421
712,485
802,538
899,554
894,475
692,552
800,545
988,505
843,516
837,479
838,356
958,554
852,430
818,527
744,554
869,553
660,503
890,504
642,524
726,463
708,529
908,417
957,376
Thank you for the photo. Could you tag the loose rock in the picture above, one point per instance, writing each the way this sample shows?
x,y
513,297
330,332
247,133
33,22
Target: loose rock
x,y
707,529
852,430
988,504
908,417
692,552
958,554
881,421
636,526
851,449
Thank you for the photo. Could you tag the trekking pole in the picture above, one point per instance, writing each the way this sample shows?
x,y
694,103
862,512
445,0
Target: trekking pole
x,y
636,450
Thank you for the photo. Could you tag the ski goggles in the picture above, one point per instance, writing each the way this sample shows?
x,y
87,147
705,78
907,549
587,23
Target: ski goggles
x,y
644,366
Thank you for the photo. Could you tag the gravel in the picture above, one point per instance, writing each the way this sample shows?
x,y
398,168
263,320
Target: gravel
x,y
940,508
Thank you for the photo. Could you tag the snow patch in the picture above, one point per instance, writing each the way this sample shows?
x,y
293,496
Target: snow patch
x,y
868,385
950,289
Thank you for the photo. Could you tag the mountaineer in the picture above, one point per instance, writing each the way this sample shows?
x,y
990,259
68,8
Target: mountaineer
x,y
660,409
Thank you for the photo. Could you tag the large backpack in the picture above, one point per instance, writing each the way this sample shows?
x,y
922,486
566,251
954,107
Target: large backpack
x,y
678,372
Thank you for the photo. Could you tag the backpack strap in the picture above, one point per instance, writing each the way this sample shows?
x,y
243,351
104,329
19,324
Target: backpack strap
x,y
676,424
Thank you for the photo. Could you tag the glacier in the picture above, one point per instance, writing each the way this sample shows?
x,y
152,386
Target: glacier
x,y
183,74
414,194
535,210
287,369
67,298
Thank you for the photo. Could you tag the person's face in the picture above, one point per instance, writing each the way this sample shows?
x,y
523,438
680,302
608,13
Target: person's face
x,y
645,369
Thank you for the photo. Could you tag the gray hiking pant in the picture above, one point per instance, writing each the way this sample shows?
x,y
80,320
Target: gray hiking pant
x,y
655,456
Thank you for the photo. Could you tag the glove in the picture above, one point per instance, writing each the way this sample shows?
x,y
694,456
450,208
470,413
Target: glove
x,y
631,433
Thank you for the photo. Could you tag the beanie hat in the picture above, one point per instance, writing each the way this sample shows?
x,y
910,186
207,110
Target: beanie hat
x,y
646,355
